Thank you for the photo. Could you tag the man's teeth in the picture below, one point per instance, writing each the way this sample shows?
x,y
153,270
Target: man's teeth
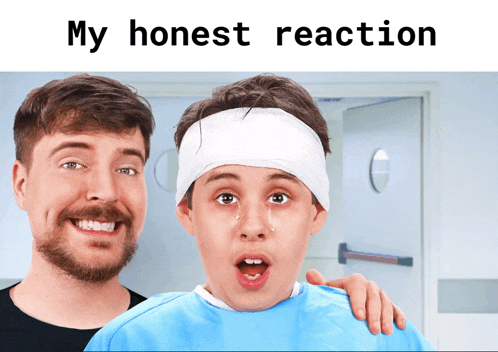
x,y
96,226
253,261
252,277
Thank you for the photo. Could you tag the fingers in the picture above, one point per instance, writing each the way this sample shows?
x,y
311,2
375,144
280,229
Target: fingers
x,y
314,277
356,287
387,313
374,307
399,317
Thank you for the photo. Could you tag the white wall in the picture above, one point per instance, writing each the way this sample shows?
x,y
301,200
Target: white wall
x,y
15,234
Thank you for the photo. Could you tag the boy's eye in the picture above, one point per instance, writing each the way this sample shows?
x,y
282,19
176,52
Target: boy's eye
x,y
226,198
127,171
72,165
279,198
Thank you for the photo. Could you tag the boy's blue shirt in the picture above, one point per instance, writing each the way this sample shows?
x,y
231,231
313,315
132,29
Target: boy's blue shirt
x,y
319,318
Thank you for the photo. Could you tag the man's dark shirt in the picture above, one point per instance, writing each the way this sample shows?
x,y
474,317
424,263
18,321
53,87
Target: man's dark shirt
x,y
21,332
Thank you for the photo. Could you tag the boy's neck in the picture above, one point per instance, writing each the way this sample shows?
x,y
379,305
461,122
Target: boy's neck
x,y
206,295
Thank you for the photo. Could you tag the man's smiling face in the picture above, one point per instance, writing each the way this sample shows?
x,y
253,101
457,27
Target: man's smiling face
x,y
86,200
252,226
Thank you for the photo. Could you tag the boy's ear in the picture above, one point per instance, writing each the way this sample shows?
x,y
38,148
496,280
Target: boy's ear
x,y
320,218
19,183
184,216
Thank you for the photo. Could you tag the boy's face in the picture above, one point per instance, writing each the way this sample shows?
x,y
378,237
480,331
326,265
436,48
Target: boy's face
x,y
264,215
86,200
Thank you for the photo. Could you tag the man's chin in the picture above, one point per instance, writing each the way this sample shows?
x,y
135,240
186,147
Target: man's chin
x,y
94,272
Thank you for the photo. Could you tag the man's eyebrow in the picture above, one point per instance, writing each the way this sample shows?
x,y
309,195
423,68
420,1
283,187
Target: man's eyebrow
x,y
283,176
223,175
70,145
136,152
82,145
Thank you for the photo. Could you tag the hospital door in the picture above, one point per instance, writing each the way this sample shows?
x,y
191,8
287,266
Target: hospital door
x,y
382,199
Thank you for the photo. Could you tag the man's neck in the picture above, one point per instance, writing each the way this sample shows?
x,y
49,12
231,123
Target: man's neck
x,y
54,297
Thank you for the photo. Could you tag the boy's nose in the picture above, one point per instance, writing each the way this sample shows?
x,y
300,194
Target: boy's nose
x,y
254,222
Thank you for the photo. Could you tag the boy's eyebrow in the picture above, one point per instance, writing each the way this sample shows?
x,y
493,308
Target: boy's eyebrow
x,y
284,176
223,175
70,145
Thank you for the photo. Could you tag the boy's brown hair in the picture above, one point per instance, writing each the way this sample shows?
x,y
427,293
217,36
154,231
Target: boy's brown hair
x,y
262,91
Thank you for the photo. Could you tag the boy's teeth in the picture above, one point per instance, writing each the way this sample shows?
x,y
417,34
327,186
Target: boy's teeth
x,y
253,261
252,277
96,226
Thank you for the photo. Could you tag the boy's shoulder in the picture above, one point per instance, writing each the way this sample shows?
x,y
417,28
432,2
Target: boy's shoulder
x,y
331,307
148,313
324,296
336,294
328,303
148,310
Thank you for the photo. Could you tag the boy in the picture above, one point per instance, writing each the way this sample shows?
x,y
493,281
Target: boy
x,y
252,188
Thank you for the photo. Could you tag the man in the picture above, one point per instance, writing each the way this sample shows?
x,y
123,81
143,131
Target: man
x,y
81,146
252,187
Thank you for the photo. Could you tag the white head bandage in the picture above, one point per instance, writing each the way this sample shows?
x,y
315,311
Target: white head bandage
x,y
265,137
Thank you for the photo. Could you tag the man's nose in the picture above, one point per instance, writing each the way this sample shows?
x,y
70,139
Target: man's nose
x,y
102,186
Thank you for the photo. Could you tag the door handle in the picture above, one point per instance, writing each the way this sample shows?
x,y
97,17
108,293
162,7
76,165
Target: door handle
x,y
344,254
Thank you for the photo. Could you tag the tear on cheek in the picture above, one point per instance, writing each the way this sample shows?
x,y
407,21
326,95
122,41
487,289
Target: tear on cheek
x,y
271,221
237,215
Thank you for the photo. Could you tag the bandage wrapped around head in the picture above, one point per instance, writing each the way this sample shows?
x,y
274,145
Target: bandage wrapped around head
x,y
261,137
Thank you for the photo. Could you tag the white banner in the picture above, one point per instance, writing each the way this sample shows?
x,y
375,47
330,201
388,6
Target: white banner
x,y
248,36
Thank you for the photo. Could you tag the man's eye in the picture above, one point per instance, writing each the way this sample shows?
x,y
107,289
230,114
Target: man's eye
x,y
226,198
127,171
72,165
279,198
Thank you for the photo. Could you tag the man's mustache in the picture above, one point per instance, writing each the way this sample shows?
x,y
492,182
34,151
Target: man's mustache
x,y
108,212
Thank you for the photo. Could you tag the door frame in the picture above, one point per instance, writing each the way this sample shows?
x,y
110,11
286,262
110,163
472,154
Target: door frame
x,y
430,160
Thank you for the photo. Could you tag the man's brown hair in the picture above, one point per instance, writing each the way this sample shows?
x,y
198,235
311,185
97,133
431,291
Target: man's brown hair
x,y
78,104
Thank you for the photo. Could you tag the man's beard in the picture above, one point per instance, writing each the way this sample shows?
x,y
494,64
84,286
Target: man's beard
x,y
56,250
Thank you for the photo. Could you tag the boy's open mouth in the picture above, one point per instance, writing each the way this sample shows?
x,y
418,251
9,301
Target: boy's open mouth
x,y
252,268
